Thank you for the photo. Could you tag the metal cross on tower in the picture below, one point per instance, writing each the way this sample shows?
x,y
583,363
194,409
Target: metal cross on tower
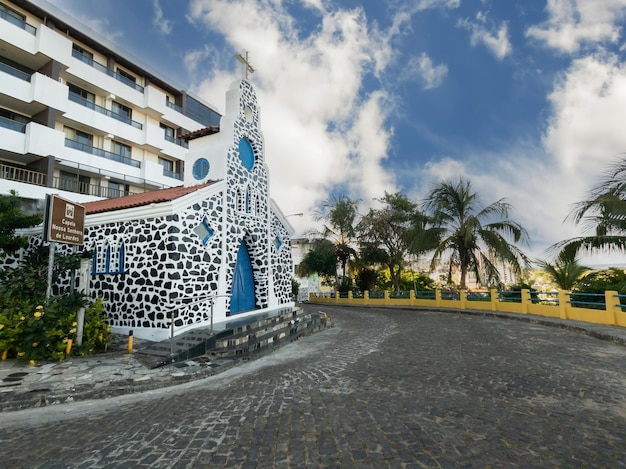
x,y
246,67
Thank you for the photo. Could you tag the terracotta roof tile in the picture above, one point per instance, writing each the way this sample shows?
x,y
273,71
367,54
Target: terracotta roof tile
x,y
138,200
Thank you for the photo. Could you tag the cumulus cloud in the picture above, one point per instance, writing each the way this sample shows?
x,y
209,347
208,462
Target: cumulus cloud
x,y
162,24
321,131
571,23
586,128
423,69
485,32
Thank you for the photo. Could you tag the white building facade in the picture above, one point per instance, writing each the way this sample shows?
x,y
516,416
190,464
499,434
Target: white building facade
x,y
79,117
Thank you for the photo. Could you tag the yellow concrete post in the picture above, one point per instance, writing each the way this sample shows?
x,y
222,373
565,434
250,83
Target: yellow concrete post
x,y
563,304
493,299
412,297
463,299
350,297
437,297
386,296
612,307
366,297
525,300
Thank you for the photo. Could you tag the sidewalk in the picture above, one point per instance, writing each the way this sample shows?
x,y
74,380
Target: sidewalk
x,y
118,372
99,376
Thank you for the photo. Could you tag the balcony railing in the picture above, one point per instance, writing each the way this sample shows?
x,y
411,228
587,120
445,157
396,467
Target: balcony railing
x,y
18,22
174,106
27,176
13,173
84,102
177,141
72,185
6,68
172,174
12,125
103,153
89,61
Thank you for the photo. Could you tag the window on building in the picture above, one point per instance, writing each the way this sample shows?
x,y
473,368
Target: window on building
x,y
78,50
117,189
86,95
121,110
78,136
126,75
108,259
204,231
11,15
121,149
14,116
168,165
74,182
170,133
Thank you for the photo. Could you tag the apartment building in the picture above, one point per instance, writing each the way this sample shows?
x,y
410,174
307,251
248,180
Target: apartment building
x,y
81,118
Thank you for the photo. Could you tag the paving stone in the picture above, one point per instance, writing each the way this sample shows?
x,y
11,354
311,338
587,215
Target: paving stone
x,y
397,389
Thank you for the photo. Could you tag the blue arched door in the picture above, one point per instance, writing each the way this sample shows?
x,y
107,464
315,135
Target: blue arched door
x,y
242,297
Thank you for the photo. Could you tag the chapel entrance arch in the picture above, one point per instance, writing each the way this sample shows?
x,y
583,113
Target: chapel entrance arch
x,y
243,297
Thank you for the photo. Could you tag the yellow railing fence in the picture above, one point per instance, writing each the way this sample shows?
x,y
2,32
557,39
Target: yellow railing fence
x,y
607,308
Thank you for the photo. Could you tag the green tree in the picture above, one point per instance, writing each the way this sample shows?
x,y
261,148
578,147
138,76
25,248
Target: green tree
x,y
566,271
12,219
604,213
339,216
322,260
472,235
388,235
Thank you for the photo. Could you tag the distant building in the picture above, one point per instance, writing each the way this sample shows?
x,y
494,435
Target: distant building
x,y
178,212
81,118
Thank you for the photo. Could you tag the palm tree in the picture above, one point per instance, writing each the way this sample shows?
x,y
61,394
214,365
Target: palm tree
x,y
604,213
473,236
566,271
339,216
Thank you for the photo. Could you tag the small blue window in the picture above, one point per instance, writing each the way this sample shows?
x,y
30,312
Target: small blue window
x,y
201,168
204,231
246,154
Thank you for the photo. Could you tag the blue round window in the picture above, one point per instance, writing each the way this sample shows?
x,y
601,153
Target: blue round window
x,y
201,168
246,154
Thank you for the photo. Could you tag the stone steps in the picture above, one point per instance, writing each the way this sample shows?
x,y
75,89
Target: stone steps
x,y
236,338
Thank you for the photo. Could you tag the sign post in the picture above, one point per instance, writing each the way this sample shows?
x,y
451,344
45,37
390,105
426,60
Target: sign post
x,y
64,223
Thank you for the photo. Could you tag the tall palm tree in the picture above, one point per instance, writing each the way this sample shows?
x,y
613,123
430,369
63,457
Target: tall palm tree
x,y
566,271
339,216
604,213
474,237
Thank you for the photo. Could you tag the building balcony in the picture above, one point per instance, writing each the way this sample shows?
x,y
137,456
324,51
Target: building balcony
x,y
84,102
102,153
12,125
18,22
89,61
177,141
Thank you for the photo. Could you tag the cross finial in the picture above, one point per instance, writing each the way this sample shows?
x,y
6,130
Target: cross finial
x,y
246,67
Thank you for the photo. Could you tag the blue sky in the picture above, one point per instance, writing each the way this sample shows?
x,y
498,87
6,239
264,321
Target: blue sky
x,y
525,98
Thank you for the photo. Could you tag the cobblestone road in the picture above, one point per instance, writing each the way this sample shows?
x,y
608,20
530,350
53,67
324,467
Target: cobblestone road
x,y
381,389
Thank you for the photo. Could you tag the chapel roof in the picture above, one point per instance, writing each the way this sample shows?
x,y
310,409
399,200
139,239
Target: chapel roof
x,y
138,200
200,133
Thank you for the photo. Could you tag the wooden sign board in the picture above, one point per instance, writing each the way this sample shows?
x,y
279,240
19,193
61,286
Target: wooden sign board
x,y
65,221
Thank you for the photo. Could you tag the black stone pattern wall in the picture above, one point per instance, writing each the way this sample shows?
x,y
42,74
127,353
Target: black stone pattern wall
x,y
167,265
251,222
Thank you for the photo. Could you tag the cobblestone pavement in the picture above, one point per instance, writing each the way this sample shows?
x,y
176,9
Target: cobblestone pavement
x,y
381,389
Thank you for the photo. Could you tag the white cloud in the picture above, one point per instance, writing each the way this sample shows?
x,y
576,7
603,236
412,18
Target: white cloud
x,y
571,23
586,129
319,129
422,68
494,38
164,25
